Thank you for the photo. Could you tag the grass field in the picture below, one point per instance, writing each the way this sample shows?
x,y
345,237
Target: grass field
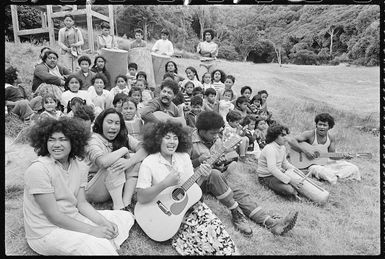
x,y
349,224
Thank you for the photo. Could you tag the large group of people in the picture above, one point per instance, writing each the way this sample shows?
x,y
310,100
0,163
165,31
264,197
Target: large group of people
x,y
100,138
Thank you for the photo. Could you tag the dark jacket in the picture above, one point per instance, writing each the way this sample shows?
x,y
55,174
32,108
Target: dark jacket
x,y
42,75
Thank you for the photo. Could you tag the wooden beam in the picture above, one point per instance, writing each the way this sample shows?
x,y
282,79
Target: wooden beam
x,y
100,16
89,28
43,20
50,26
74,13
15,23
33,31
111,19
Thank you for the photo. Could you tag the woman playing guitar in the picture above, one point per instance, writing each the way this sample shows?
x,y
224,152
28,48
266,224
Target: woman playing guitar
x,y
201,232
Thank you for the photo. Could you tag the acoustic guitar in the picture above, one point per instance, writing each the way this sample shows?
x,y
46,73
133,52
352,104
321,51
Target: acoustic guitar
x,y
300,160
160,218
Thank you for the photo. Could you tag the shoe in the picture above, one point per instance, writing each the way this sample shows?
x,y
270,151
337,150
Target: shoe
x,y
282,225
240,222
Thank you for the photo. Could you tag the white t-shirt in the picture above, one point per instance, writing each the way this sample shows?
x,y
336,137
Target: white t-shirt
x,y
68,95
153,169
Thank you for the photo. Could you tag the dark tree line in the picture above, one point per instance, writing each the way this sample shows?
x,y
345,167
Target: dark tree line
x,y
299,34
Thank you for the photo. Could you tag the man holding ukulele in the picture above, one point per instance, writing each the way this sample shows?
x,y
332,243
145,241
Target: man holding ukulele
x,y
320,140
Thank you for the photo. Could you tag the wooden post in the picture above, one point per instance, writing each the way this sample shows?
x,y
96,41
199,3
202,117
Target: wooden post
x,y
90,29
15,23
43,20
51,31
111,19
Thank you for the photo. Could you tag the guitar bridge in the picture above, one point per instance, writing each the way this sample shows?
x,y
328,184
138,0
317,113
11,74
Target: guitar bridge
x,y
163,208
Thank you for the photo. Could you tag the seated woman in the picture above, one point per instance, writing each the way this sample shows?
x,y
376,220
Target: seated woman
x,y
49,71
201,232
272,163
58,220
114,171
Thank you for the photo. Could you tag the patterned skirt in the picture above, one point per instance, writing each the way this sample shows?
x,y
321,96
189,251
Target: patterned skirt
x,y
202,233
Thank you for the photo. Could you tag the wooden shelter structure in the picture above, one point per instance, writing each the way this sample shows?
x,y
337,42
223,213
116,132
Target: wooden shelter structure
x,y
48,12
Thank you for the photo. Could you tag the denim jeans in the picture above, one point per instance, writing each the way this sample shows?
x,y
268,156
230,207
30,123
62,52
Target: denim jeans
x,y
280,188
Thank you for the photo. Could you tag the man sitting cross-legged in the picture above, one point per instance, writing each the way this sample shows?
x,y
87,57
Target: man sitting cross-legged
x,y
204,141
321,140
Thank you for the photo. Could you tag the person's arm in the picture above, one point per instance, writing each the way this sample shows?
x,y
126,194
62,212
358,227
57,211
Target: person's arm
x,y
60,41
304,137
80,39
214,53
146,195
155,48
41,71
146,112
199,48
99,42
105,160
272,165
170,50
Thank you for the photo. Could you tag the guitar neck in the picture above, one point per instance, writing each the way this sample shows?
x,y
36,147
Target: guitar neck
x,y
198,172
333,155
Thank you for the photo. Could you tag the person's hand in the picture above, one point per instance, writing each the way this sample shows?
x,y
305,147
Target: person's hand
x,y
204,157
205,169
310,154
297,183
221,160
172,178
348,156
119,165
111,226
103,232
62,82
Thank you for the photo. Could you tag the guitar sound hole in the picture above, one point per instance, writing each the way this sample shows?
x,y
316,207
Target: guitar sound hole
x,y
178,194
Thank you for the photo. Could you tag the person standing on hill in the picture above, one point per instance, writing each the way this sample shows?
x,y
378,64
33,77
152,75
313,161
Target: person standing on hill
x,y
138,42
208,50
163,46
70,41
324,142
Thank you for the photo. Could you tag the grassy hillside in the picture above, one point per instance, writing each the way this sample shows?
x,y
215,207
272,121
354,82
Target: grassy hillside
x,y
349,224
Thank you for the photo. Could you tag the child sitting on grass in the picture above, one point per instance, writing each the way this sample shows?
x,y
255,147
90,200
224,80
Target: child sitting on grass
x,y
246,91
249,128
74,104
101,97
131,75
49,103
229,83
136,94
218,79
120,85
198,91
191,75
225,105
206,81
118,101
187,94
147,94
264,95
260,131
73,83
232,127
85,74
196,108
241,106
256,108
130,115
209,102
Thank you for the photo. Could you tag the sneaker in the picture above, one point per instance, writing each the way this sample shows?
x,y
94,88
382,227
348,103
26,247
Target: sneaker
x,y
282,225
240,222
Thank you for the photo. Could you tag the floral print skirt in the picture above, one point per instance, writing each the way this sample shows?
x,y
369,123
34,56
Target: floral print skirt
x,y
202,233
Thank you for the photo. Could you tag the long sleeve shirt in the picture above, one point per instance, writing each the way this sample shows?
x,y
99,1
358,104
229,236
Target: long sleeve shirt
x,y
163,47
271,162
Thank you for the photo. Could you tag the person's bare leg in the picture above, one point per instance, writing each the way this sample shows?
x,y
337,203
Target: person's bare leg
x,y
129,190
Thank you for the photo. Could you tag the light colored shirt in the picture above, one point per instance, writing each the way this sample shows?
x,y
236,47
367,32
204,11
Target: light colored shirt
x,y
44,176
107,42
163,47
211,47
154,169
195,82
224,108
116,90
271,162
101,102
68,95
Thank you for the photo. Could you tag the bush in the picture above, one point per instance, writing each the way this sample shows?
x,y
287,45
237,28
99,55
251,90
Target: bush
x,y
228,52
304,57
344,58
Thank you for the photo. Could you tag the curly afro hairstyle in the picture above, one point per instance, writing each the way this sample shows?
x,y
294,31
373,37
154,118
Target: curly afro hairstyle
x,y
211,31
325,117
121,140
10,75
72,128
223,75
170,84
153,134
274,131
209,120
